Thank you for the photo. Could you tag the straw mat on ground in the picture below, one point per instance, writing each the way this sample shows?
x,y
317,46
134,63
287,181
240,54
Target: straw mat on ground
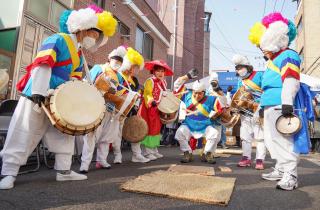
x,y
192,187
201,170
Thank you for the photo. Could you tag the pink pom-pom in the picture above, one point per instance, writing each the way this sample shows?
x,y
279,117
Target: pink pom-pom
x,y
95,8
125,46
273,17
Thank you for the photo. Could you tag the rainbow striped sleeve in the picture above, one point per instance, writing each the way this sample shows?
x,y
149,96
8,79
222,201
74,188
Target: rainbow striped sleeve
x,y
48,52
290,65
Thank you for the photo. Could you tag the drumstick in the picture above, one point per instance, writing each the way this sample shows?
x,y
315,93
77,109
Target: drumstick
x,y
53,122
181,93
118,84
191,112
86,68
279,109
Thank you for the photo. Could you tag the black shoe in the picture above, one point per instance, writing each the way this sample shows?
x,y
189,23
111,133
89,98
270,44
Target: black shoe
x,y
83,172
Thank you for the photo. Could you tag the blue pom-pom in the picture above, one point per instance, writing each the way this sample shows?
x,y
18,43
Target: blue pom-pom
x,y
292,31
63,21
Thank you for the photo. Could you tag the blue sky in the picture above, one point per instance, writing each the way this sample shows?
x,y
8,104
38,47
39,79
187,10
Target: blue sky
x,y
233,19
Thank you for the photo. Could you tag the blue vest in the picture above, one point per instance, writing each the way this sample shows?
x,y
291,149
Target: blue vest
x,y
286,63
198,122
253,84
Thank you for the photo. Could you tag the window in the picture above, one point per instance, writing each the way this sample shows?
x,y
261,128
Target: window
x,y
49,10
40,8
139,39
300,26
99,3
56,11
207,18
123,29
144,43
148,47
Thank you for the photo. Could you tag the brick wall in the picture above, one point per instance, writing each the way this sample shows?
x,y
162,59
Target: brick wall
x,y
189,32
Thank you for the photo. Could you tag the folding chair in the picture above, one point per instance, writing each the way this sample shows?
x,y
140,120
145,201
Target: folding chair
x,y
7,108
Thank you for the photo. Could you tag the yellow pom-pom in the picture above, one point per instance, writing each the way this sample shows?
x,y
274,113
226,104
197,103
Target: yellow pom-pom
x,y
107,23
134,57
256,33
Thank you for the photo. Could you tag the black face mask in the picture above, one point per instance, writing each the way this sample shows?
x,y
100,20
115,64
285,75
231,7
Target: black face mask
x,y
214,85
265,58
237,74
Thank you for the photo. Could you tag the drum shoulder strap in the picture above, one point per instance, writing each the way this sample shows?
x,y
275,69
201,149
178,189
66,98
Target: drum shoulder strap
x,y
72,50
199,106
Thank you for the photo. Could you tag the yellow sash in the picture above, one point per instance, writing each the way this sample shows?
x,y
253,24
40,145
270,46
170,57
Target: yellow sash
x,y
251,85
200,107
73,51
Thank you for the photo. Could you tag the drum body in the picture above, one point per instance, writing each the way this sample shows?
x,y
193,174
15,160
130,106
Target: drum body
x,y
244,101
76,108
288,126
168,107
124,103
228,118
135,128
102,84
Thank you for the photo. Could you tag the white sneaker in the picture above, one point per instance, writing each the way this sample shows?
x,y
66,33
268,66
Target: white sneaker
x,y
288,182
7,182
151,157
117,159
139,159
157,155
73,176
275,175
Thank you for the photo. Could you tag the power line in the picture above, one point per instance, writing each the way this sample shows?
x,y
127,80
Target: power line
x,y
224,37
221,47
230,61
275,4
283,5
221,53
164,14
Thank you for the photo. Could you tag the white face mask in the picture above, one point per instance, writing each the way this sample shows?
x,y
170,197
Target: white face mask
x,y
114,65
243,72
88,42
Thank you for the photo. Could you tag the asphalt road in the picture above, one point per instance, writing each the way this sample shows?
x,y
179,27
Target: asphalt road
x,y
101,191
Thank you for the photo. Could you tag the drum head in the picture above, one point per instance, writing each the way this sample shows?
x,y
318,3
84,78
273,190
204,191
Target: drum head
x,y
135,128
288,125
78,104
169,103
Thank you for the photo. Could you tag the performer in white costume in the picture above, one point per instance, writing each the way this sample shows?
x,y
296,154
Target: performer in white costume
x,y
280,85
215,90
198,123
57,61
110,130
251,128
133,62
